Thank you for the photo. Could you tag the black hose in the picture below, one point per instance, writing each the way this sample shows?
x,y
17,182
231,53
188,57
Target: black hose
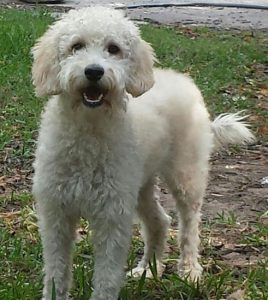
x,y
202,4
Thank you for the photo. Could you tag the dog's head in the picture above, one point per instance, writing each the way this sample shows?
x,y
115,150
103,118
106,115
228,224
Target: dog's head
x,y
93,54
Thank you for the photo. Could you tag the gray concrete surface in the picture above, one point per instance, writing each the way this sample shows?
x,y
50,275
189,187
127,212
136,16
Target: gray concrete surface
x,y
227,18
216,17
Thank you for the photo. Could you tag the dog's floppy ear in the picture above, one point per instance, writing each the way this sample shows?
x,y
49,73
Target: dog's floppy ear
x,y
46,65
141,78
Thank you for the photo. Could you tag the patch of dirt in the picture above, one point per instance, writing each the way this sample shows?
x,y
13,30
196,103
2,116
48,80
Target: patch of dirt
x,y
234,185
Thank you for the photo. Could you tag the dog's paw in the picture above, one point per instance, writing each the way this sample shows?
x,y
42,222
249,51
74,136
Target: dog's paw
x,y
193,271
138,271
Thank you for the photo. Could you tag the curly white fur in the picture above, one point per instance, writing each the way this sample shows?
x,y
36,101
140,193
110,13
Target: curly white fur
x,y
100,163
229,129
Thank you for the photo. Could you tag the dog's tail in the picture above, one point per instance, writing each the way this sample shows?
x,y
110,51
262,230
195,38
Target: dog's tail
x,y
231,129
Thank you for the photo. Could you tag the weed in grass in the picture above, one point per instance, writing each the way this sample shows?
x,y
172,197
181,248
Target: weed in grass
x,y
257,236
228,219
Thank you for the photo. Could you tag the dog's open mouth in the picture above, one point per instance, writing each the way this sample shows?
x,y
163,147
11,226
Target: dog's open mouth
x,y
93,96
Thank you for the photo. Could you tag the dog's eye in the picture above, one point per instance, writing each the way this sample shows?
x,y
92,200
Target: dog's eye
x,y
77,46
113,49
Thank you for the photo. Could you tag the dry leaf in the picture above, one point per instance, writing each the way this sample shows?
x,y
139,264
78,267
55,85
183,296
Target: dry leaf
x,y
264,91
263,129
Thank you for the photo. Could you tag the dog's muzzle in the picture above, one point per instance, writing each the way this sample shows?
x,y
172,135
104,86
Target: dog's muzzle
x,y
93,95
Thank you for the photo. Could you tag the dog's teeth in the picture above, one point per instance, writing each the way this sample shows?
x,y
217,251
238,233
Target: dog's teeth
x,y
90,100
85,96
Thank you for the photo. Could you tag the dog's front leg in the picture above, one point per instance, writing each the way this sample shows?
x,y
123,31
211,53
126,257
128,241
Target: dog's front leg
x,y
112,233
58,234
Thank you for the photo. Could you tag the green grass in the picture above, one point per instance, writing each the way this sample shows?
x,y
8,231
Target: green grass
x,y
20,110
226,66
216,60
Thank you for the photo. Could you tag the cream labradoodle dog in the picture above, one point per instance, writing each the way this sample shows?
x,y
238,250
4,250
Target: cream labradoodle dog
x,y
99,149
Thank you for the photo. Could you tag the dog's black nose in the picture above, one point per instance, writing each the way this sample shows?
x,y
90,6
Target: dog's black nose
x,y
94,72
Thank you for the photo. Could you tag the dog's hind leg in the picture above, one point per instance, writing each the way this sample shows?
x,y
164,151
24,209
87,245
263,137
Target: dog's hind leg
x,y
188,190
155,223
58,234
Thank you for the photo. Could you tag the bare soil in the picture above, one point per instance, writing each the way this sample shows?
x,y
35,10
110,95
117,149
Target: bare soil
x,y
235,190
234,185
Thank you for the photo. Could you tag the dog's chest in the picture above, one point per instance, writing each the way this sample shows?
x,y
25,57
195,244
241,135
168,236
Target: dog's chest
x,y
82,169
